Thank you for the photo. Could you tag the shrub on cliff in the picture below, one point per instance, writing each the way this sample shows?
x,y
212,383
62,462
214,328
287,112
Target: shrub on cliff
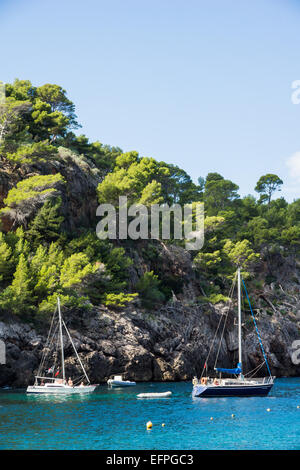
x,y
17,298
6,260
148,288
46,226
30,188
35,152
119,300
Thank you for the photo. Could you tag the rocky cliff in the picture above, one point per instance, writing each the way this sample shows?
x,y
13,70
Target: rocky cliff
x,y
164,345
79,200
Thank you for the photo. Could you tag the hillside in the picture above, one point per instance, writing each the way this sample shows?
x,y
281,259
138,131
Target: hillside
x,y
148,308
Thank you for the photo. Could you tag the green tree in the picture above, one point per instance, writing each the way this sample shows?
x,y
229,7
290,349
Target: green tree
x,y
119,300
47,223
177,186
17,298
75,269
151,194
6,259
29,195
267,185
219,194
33,152
103,156
240,253
21,282
56,97
20,90
46,265
47,124
148,287
293,213
13,126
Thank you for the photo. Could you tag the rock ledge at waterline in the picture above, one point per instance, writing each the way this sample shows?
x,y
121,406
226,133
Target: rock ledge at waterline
x,y
166,345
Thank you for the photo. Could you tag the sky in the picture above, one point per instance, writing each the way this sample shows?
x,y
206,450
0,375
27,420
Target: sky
x,y
205,85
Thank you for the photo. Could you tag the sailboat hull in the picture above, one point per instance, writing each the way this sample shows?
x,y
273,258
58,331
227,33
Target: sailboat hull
x,y
59,390
231,391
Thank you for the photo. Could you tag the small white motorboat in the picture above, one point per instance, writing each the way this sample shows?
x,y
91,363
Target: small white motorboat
x,y
117,381
155,395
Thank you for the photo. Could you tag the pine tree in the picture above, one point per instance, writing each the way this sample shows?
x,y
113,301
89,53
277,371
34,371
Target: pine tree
x,y
75,269
17,298
47,223
6,262
21,281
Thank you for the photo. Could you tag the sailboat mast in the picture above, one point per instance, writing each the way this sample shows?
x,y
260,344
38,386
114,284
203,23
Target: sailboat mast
x,y
61,339
240,315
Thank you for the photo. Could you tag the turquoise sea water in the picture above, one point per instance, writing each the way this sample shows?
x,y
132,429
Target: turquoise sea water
x,y
116,419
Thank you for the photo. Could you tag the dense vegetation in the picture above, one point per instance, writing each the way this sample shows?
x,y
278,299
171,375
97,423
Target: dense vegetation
x,y
40,257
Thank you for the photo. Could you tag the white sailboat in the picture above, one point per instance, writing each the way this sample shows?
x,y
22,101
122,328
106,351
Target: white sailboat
x,y
57,384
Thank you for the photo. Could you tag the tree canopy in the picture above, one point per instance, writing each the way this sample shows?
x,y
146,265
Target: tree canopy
x,y
39,258
267,185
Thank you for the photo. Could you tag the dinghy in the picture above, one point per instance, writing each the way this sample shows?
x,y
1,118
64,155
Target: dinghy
x,y
155,395
117,381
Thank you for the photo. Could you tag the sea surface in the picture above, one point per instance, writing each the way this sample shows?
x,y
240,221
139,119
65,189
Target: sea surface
x,y
116,419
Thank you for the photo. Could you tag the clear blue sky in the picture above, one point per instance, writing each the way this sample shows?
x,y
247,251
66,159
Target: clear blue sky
x,y
202,84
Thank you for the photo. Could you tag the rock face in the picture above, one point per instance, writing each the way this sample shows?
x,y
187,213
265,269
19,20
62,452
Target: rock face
x,y
168,345
79,200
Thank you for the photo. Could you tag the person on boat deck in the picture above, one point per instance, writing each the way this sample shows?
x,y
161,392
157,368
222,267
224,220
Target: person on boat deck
x,y
82,384
70,382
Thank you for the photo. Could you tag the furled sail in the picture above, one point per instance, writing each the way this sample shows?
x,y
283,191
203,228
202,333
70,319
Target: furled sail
x,y
237,370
